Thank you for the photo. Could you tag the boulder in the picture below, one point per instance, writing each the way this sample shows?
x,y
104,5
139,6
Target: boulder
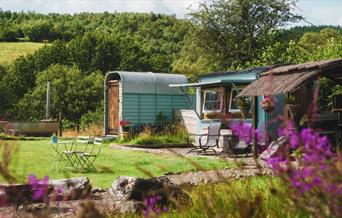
x,y
129,193
71,189
22,194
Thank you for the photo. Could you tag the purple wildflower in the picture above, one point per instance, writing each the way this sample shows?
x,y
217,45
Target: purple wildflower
x,y
39,187
152,206
243,131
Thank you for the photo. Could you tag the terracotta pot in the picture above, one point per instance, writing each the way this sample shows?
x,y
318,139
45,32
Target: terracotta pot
x,y
244,111
268,108
125,135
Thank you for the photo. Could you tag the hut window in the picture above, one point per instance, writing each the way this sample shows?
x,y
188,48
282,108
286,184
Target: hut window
x,y
213,100
232,103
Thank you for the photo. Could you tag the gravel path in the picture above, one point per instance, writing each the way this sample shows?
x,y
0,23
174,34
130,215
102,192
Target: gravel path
x,y
249,161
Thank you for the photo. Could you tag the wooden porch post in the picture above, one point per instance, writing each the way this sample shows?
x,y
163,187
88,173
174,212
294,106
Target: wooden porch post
x,y
255,126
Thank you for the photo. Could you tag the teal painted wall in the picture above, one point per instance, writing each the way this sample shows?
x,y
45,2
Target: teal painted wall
x,y
269,123
144,108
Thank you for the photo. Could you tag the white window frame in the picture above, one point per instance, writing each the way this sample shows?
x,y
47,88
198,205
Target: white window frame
x,y
221,100
231,98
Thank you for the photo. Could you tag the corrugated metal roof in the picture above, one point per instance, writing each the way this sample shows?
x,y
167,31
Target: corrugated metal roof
x,y
146,82
240,73
243,76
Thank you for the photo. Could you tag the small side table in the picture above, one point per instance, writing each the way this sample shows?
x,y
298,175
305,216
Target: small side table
x,y
226,135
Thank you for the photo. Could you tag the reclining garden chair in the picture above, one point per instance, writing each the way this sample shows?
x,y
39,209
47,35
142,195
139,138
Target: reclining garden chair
x,y
276,148
87,159
212,139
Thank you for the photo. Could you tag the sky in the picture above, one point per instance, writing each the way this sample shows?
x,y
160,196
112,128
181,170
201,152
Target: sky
x,y
318,12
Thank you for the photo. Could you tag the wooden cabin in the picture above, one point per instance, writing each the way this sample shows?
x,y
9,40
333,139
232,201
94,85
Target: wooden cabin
x,y
300,81
216,99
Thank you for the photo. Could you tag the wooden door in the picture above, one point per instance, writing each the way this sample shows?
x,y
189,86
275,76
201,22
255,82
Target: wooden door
x,y
113,106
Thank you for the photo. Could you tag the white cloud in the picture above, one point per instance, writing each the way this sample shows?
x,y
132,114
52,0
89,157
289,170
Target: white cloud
x,y
178,7
316,11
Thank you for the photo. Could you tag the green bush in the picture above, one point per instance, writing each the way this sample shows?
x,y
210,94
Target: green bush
x,y
171,135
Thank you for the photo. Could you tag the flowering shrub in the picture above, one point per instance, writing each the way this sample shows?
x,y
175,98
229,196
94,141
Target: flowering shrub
x,y
245,132
40,188
316,179
125,125
152,207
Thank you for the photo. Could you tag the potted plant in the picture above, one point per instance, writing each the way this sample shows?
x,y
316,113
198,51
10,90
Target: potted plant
x,y
267,104
292,106
125,129
244,105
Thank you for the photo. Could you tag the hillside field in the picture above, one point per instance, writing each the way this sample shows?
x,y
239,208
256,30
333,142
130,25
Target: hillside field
x,y
9,51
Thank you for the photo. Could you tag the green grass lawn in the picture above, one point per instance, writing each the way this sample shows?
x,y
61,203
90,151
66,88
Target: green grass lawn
x,y
36,157
9,51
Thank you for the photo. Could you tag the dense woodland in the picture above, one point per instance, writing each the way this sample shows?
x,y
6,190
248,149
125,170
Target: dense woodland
x,y
81,48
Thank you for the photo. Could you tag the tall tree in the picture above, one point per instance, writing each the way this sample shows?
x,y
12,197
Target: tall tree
x,y
72,93
236,31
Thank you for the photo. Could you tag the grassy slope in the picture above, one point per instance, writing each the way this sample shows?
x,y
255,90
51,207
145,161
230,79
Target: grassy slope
x,y
36,157
9,51
260,196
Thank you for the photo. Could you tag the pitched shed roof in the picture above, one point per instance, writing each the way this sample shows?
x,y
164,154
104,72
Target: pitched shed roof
x,y
291,77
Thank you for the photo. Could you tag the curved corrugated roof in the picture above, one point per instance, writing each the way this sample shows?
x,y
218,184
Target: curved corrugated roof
x,y
146,82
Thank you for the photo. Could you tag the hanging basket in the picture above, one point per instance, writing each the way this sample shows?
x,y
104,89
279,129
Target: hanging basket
x,y
268,108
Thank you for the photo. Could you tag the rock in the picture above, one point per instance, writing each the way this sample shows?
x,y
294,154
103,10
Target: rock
x,y
71,189
98,190
129,193
21,194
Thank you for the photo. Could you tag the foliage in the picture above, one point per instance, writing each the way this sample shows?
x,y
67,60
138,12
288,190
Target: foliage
x,y
243,102
125,125
170,135
38,30
314,184
298,31
92,118
161,120
92,42
73,94
310,40
291,99
236,32
218,37
253,197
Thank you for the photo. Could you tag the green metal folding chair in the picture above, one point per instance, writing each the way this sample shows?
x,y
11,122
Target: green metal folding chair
x,y
60,155
87,159
71,152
